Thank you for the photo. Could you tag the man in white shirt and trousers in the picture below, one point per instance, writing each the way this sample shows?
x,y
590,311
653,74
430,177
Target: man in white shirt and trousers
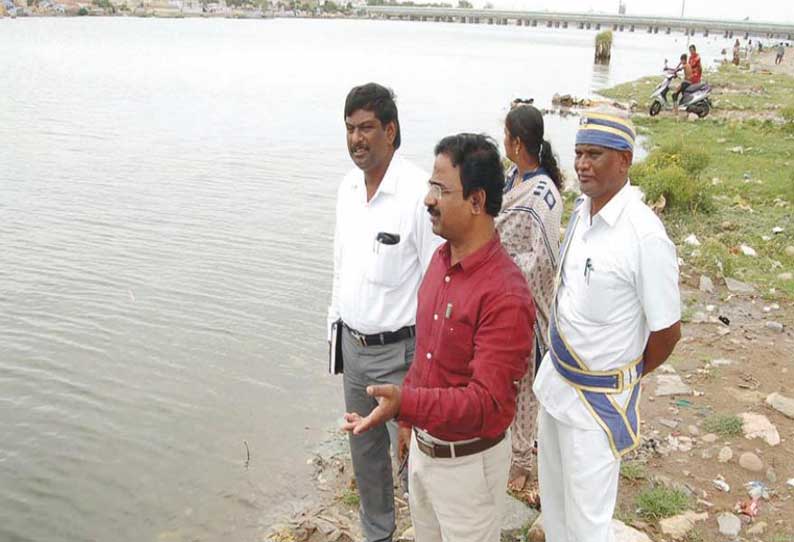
x,y
383,243
616,317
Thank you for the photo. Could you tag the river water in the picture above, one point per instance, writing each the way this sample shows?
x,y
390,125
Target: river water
x,y
166,208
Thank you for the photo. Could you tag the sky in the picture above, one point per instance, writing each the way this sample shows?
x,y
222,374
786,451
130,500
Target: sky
x,y
778,11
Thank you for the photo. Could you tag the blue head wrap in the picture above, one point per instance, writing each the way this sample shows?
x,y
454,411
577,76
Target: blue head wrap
x,y
606,130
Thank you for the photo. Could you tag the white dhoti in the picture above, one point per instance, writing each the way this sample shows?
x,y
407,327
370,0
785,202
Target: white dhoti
x,y
458,499
578,476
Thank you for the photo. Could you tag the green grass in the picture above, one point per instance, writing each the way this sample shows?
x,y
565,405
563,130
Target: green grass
x,y
350,497
660,502
632,471
734,89
752,208
722,424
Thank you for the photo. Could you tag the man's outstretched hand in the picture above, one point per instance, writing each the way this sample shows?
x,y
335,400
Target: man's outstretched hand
x,y
388,397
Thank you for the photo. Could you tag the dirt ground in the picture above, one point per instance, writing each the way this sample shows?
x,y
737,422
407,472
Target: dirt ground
x,y
753,361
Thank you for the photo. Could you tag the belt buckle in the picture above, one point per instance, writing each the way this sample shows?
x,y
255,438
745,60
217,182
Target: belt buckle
x,y
362,340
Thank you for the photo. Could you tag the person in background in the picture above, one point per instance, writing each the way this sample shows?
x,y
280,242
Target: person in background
x,y
473,339
529,226
779,52
615,318
736,49
694,63
383,243
686,81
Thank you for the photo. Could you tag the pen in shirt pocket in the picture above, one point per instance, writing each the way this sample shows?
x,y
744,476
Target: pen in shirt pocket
x,y
385,238
588,269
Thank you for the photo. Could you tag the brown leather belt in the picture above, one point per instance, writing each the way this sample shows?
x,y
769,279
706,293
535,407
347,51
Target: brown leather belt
x,y
445,451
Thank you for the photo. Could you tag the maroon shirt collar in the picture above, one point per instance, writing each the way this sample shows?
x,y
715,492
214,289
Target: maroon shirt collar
x,y
476,258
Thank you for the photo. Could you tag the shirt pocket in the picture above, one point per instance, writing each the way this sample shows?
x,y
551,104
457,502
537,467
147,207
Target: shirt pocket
x,y
601,286
387,263
456,346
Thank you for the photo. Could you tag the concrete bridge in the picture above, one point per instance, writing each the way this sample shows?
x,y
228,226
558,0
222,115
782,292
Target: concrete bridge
x,y
586,21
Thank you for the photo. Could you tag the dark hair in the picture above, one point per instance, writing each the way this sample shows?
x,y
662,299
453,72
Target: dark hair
x,y
526,123
692,47
683,57
477,158
378,99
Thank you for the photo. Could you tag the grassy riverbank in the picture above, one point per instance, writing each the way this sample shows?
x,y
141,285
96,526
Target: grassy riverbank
x,y
741,159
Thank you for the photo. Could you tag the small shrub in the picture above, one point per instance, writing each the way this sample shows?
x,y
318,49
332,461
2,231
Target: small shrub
x,y
633,471
82,12
350,497
661,502
726,425
675,173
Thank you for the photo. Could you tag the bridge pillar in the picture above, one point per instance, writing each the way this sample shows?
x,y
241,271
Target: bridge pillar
x,y
490,20
706,33
650,30
631,29
556,24
580,26
565,24
598,26
621,28
548,24
668,30
587,26
534,22
615,27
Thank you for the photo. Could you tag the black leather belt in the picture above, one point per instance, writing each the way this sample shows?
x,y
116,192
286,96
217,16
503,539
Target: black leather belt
x,y
382,339
445,451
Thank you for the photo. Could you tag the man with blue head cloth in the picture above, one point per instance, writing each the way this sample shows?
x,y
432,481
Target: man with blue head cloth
x,y
616,317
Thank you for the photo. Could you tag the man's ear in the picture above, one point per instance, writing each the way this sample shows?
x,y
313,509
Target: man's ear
x,y
391,132
626,159
477,200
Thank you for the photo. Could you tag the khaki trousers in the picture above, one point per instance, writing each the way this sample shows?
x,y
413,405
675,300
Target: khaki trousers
x,y
458,499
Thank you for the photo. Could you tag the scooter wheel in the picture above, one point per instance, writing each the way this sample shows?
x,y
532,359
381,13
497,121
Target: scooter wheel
x,y
655,108
703,110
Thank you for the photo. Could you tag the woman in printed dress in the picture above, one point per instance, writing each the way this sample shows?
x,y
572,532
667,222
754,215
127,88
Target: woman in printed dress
x,y
529,227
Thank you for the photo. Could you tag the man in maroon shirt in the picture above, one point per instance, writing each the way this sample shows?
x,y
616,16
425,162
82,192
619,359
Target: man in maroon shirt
x,y
473,339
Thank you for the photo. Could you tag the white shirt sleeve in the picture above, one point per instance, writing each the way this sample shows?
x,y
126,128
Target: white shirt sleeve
x,y
657,281
333,309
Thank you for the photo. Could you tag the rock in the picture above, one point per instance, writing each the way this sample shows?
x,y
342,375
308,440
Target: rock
x,y
785,276
771,475
745,396
692,117
535,533
751,462
708,453
671,385
782,404
757,529
790,482
777,229
408,535
737,287
728,225
775,326
693,430
709,438
684,444
692,240
721,484
722,362
725,455
517,514
678,526
622,532
667,369
748,251
758,426
790,250
672,424
700,317
729,524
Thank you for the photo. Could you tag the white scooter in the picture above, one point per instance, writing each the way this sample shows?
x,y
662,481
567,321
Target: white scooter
x,y
695,99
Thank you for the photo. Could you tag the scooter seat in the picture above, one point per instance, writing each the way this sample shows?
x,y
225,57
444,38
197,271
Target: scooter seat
x,y
694,88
